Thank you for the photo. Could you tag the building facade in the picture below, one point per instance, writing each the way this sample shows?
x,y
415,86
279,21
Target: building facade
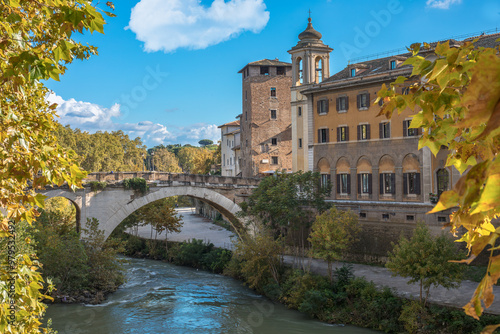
x,y
265,122
230,138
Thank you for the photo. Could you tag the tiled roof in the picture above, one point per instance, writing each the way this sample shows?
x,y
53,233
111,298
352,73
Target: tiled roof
x,y
266,62
233,123
380,65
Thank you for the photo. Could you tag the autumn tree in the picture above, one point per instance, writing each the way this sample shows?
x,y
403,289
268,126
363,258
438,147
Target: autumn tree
x,y
165,161
456,99
426,260
36,44
331,234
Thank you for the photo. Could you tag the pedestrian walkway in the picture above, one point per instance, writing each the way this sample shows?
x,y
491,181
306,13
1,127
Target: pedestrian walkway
x,y
381,276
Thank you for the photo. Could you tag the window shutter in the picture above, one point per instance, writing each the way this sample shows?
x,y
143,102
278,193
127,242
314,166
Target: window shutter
x,y
393,183
388,130
347,103
359,132
347,133
338,183
359,100
319,135
367,131
348,183
368,102
405,128
327,135
417,183
327,105
370,179
381,178
359,183
338,103
405,183
318,106
381,130
338,134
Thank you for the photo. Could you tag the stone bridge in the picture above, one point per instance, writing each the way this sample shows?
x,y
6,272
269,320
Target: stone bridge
x,y
114,203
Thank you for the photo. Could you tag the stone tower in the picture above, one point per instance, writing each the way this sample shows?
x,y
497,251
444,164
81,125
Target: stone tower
x,y
310,66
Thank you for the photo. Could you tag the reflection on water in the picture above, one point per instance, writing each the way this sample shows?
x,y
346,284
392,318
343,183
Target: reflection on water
x,y
162,298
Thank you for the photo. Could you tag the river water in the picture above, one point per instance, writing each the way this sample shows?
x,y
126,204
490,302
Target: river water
x,y
163,298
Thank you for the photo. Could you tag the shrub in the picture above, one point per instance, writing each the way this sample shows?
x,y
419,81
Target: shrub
x,y
96,185
137,184
216,260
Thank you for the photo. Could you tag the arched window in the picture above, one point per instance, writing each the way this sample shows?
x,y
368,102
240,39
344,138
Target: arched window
x,y
300,73
319,70
443,178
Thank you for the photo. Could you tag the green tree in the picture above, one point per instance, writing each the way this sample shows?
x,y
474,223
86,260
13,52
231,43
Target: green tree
x,y
37,44
457,103
165,161
205,142
427,260
332,233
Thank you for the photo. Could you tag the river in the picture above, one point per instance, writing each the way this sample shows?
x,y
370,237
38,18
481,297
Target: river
x,y
160,297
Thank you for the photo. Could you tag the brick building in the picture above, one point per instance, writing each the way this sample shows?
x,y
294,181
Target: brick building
x,y
265,123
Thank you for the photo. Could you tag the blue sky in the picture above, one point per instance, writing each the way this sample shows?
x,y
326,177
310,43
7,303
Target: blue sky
x,y
167,69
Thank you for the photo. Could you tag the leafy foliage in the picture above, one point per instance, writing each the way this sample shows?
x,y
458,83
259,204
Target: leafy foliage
x,y
456,98
287,199
137,184
332,233
97,185
37,44
426,260
205,142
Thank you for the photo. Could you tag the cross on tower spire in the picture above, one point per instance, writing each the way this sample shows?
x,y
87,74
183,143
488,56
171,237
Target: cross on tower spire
x,y
309,12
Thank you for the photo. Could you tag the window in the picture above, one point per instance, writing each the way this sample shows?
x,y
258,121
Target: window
x,y
364,183
393,64
342,133
385,216
323,136
325,180
410,217
273,91
319,70
411,183
362,215
343,184
274,160
273,114
407,132
300,142
224,159
363,101
299,111
342,103
245,95
274,141
442,219
246,143
405,90
442,181
264,70
322,107
387,183
280,70
353,72
230,161
363,131
301,72
385,130
246,116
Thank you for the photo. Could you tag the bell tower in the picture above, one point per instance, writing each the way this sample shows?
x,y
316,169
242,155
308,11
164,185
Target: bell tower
x,y
310,66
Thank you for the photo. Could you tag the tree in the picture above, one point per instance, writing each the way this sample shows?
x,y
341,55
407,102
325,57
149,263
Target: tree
x,y
426,260
205,142
284,200
186,156
165,161
332,233
203,161
37,43
456,98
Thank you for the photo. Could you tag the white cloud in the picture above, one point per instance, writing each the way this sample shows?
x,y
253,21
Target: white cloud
x,y
442,4
92,117
170,24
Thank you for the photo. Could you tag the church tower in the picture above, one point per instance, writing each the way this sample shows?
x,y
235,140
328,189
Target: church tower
x,y
310,66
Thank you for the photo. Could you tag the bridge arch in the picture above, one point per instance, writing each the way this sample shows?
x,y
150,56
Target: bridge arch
x,y
73,197
220,202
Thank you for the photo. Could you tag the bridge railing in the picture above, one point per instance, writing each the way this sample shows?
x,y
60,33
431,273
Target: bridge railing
x,y
163,176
